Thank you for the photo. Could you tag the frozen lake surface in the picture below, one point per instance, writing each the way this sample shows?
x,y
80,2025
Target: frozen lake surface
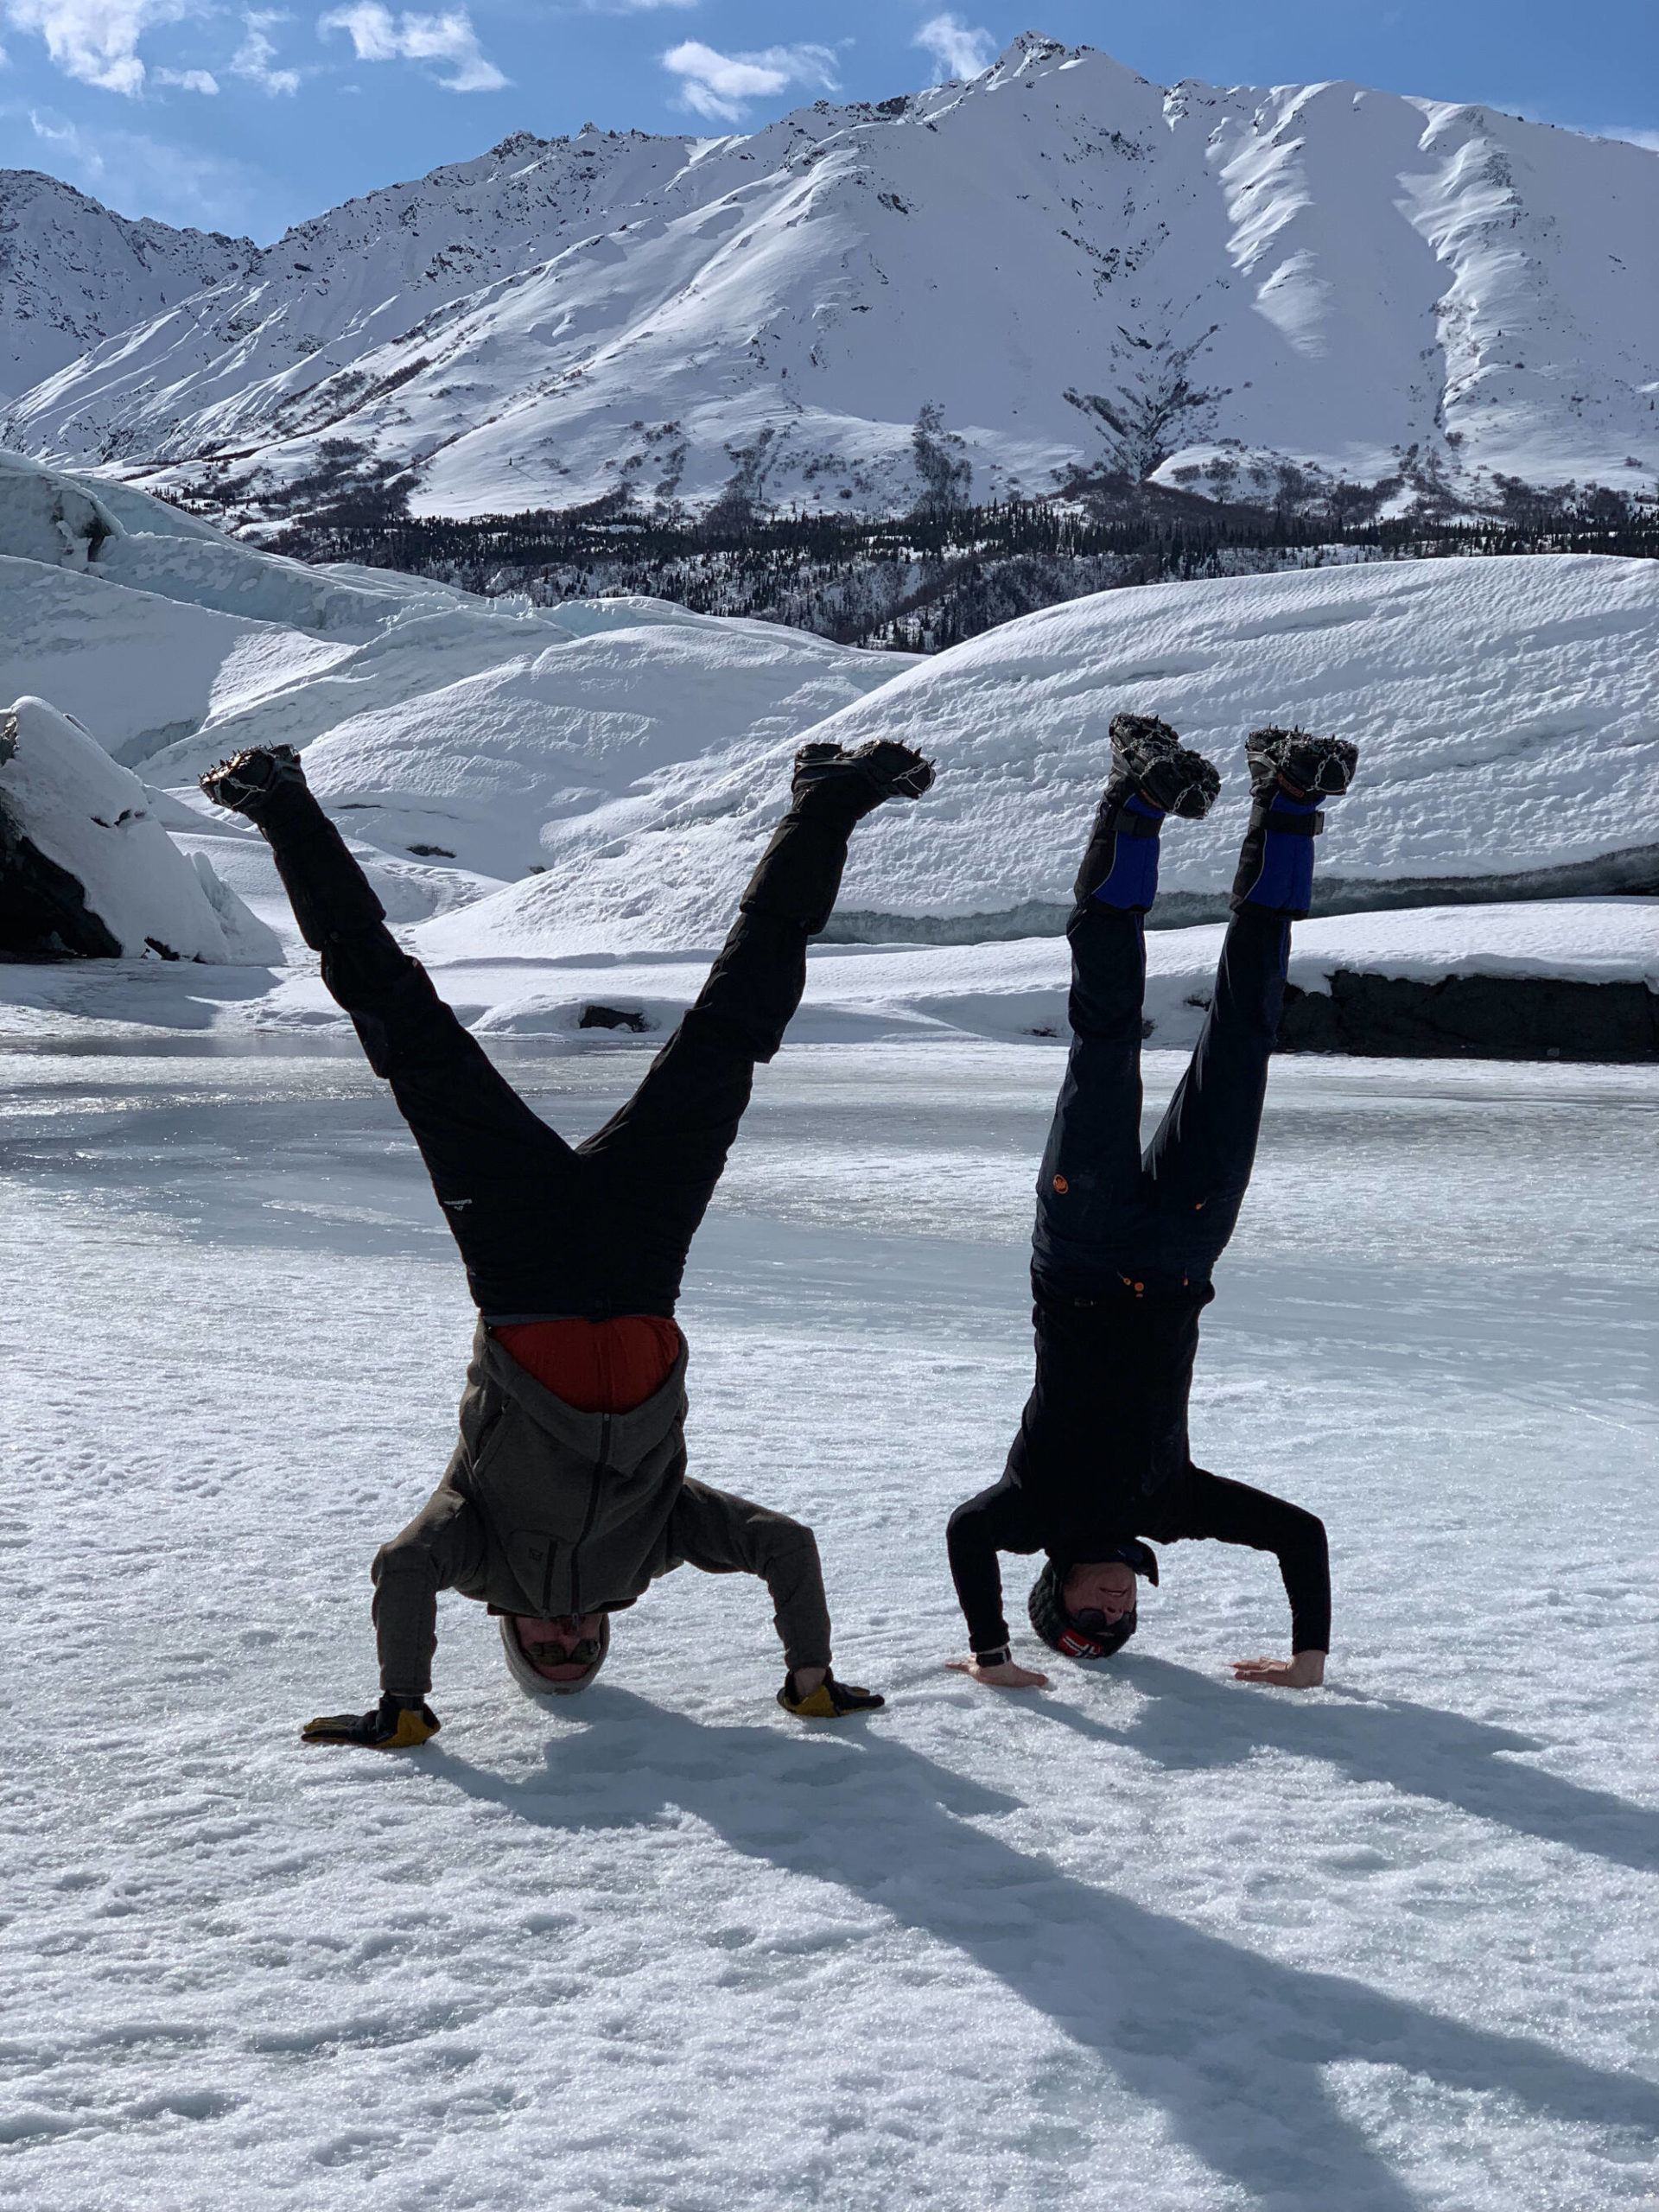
x,y
1150,1936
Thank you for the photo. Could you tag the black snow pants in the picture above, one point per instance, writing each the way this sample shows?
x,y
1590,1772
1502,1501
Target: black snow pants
x,y
548,1229
1109,1215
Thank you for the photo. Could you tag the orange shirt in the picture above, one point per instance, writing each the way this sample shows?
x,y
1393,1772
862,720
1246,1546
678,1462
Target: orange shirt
x,y
598,1367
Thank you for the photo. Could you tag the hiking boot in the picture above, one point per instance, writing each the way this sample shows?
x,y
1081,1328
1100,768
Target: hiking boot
x,y
1153,774
872,773
1149,760
1290,772
1299,765
799,873
248,781
331,896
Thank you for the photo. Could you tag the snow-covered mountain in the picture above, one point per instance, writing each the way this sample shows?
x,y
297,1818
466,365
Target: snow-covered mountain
x,y
73,273
981,289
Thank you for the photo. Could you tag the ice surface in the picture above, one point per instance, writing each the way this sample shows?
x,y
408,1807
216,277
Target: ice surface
x,y
1387,1948
89,815
1384,287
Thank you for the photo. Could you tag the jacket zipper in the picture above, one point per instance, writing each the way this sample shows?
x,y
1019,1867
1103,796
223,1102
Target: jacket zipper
x,y
600,1465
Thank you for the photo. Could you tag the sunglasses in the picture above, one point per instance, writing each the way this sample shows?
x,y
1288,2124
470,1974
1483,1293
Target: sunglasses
x,y
1093,1622
585,1654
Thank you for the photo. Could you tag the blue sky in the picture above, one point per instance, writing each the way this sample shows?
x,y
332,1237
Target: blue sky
x,y
251,117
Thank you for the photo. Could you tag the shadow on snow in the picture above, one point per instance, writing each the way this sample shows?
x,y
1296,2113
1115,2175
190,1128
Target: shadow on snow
x,y
1229,2043
1189,1722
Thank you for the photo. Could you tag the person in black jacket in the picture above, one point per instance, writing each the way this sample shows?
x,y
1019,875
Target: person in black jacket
x,y
1125,1241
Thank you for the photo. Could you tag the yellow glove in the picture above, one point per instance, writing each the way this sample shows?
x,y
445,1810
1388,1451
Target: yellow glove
x,y
831,1700
397,1724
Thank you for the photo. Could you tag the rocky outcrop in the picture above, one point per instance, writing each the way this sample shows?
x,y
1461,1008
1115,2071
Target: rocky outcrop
x,y
1474,1017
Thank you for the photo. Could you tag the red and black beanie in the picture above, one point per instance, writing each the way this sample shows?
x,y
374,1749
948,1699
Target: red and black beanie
x,y
1049,1617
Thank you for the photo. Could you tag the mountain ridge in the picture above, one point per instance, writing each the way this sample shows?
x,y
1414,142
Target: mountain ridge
x,y
1049,275
72,272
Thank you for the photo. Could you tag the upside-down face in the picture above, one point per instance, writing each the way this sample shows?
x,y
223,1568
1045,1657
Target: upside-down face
x,y
560,1653
1098,1593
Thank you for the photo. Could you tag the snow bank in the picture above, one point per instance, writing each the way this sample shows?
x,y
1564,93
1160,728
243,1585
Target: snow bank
x,y
1017,990
138,671
452,726
85,815
600,777
1504,707
1011,992
589,741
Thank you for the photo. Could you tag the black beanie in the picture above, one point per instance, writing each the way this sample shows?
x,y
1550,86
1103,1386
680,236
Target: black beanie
x,y
1047,1606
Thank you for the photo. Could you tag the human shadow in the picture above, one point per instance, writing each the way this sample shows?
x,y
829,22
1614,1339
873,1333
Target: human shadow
x,y
1187,1721
1231,2045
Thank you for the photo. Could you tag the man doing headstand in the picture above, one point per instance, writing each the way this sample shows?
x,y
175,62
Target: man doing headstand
x,y
567,1492
1125,1241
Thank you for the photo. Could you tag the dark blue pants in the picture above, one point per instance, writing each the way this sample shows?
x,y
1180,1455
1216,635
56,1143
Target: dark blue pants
x,y
1109,1214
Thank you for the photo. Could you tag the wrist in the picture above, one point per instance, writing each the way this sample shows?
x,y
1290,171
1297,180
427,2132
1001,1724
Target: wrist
x,y
998,1656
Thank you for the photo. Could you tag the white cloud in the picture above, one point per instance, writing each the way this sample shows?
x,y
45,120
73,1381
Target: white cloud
x,y
959,51
187,80
143,176
379,36
253,58
718,84
97,40
633,7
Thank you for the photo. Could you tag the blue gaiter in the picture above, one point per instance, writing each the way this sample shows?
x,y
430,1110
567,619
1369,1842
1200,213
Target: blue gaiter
x,y
1286,877
1133,880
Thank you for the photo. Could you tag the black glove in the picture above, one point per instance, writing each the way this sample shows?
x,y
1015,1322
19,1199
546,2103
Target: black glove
x,y
831,1700
397,1724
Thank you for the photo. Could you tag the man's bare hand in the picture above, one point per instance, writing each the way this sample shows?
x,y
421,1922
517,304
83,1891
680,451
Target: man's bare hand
x,y
1305,1672
1005,1676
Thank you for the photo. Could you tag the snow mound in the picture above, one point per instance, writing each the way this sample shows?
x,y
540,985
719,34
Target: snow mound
x,y
601,776
87,816
436,723
1503,708
581,745
138,671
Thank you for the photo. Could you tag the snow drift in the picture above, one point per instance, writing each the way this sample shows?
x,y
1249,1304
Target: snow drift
x,y
975,291
86,861
1504,707
593,782
452,726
